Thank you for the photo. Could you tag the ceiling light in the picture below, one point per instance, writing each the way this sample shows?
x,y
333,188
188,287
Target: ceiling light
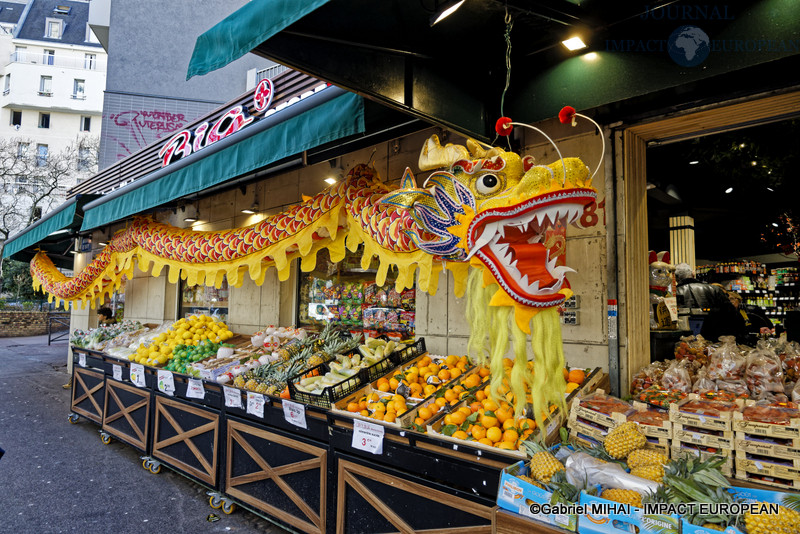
x,y
729,190
650,186
102,244
770,190
742,145
775,225
695,162
330,181
574,43
64,231
252,209
190,219
73,252
753,163
445,10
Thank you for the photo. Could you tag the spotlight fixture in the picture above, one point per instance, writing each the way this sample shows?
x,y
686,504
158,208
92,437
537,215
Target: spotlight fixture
x,y
252,209
650,186
694,162
574,43
102,244
195,217
190,219
63,231
775,225
590,56
742,145
770,190
73,252
754,163
336,172
445,10
730,189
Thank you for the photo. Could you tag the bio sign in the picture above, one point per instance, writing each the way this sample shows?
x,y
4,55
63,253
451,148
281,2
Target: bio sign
x,y
186,142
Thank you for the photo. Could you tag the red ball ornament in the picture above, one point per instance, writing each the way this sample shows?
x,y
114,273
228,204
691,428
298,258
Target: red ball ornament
x,y
566,115
503,126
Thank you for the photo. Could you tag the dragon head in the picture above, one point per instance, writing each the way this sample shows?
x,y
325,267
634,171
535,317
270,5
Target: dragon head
x,y
501,212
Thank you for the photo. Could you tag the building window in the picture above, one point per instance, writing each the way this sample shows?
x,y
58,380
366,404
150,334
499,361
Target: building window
x,y
90,36
79,89
22,150
46,86
19,53
84,158
54,28
7,84
44,120
16,118
41,155
90,61
86,124
49,57
62,10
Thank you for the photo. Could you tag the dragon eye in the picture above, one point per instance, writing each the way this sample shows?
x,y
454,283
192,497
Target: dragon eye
x,y
487,184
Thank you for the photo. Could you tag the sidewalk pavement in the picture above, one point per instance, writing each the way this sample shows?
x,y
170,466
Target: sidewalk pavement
x,y
59,477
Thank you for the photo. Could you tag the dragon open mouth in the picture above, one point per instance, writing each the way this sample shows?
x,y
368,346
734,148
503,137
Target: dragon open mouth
x,y
521,244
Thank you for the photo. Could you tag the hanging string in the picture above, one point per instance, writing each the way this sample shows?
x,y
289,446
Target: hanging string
x,y
507,35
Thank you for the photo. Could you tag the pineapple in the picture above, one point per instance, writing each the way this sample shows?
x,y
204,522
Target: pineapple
x,y
624,439
634,498
239,381
543,464
650,472
529,480
786,521
261,388
251,384
713,526
643,457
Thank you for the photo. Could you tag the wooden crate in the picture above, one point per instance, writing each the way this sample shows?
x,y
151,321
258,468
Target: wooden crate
x,y
727,468
661,445
371,498
780,468
697,436
594,416
663,431
127,413
678,415
186,437
775,447
790,431
580,426
280,475
88,393
754,478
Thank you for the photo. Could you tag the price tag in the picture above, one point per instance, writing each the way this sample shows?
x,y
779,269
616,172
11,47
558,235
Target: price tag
x,y
255,404
294,413
117,372
195,389
82,360
367,437
166,384
206,374
233,398
137,375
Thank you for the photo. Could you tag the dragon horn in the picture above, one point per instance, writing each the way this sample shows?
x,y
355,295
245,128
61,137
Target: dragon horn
x,y
478,152
434,155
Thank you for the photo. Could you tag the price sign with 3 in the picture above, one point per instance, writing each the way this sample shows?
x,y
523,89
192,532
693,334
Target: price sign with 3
x,y
367,437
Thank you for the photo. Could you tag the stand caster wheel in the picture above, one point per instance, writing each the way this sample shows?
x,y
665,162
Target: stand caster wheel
x,y
105,438
73,418
215,502
228,507
155,468
151,465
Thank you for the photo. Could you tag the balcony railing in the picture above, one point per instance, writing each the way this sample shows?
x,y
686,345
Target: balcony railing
x,y
269,72
58,60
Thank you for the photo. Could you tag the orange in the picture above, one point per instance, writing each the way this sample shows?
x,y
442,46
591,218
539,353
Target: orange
x,y
389,417
429,389
577,376
480,395
425,360
507,363
448,419
460,434
494,434
509,423
510,436
433,368
488,421
362,405
441,401
384,386
433,407
490,405
444,375
365,413
486,441
503,414
450,361
393,383
478,432
505,445
378,416
353,407
373,397
458,389
425,413
566,373
471,381
463,394
475,406
572,386
419,421
416,389
455,373
458,418
450,395
484,372
465,410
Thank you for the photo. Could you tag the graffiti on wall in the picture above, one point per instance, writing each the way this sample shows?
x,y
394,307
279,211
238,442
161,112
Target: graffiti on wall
x,y
132,130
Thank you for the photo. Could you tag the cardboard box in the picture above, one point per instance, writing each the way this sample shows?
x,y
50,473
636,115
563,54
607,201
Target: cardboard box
x,y
677,414
516,495
619,523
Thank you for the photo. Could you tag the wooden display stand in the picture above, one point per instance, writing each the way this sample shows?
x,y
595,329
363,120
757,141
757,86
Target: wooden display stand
x,y
282,476
127,414
505,522
88,393
186,437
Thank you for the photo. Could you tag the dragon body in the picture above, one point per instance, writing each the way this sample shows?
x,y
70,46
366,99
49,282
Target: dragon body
x,y
496,220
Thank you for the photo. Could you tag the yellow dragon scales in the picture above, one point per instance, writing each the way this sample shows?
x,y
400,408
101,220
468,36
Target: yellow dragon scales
x,y
495,219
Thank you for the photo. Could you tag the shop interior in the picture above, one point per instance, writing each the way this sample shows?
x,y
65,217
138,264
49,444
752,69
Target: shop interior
x,y
725,204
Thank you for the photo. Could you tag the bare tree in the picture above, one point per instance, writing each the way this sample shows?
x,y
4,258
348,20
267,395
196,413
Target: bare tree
x,y
33,182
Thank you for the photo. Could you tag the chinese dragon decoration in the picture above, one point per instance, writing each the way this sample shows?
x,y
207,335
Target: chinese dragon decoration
x,y
493,218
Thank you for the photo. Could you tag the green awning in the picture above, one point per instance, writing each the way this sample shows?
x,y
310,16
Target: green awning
x,y
335,119
243,30
54,221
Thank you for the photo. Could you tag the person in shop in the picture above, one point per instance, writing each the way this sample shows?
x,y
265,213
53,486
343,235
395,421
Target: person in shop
x,y
718,313
105,316
750,320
